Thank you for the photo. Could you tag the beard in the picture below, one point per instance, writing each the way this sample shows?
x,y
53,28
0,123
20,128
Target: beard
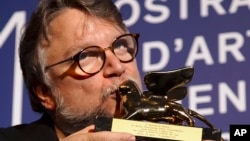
x,y
70,121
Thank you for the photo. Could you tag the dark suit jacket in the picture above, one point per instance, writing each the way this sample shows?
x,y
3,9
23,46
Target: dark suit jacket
x,y
40,130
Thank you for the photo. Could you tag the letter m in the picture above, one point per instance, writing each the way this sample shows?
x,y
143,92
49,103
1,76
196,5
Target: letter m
x,y
16,22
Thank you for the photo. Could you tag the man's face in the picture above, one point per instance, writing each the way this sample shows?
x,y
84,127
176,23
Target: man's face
x,y
79,97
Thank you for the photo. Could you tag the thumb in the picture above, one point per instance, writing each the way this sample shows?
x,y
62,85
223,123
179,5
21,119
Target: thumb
x,y
109,136
87,129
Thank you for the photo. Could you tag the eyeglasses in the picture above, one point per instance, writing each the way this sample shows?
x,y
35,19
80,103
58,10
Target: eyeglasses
x,y
91,59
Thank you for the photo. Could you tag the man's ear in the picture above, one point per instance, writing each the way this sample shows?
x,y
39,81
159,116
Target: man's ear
x,y
45,97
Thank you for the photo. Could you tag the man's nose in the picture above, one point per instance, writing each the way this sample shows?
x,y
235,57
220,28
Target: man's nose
x,y
112,66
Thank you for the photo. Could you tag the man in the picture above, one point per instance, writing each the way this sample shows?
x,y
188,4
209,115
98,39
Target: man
x,y
74,54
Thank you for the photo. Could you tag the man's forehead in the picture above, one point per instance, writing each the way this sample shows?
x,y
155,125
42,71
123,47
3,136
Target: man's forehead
x,y
68,20
75,30
77,24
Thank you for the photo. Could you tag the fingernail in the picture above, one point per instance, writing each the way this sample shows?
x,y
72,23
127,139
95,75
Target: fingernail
x,y
131,138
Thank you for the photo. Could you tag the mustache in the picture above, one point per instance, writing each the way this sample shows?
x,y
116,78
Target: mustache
x,y
110,89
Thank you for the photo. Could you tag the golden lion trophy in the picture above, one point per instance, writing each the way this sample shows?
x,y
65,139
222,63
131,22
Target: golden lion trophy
x,y
155,114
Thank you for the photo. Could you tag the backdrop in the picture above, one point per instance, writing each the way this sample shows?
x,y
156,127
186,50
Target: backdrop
x,y
213,36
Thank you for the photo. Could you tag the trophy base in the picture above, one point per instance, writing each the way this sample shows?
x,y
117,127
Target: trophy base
x,y
150,131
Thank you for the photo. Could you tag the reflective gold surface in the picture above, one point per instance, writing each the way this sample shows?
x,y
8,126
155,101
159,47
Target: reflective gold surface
x,y
158,102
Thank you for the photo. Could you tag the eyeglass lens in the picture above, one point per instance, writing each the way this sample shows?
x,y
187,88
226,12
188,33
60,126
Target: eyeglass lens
x,y
92,59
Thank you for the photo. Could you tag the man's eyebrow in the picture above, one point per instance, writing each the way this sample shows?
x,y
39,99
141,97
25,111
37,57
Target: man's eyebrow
x,y
74,49
82,45
71,51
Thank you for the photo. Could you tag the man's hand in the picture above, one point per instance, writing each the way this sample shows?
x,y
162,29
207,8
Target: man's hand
x,y
87,134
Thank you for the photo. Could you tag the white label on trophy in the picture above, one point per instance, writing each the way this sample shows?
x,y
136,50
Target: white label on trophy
x,y
157,130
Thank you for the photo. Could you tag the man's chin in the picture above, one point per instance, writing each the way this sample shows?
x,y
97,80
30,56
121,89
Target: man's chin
x,y
73,122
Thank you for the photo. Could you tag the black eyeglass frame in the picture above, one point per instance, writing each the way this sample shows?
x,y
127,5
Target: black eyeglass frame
x,y
76,56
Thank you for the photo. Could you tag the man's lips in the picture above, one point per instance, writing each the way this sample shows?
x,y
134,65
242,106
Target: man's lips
x,y
114,94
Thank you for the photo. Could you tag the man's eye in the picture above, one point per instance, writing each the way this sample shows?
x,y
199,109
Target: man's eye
x,y
121,44
84,55
93,53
